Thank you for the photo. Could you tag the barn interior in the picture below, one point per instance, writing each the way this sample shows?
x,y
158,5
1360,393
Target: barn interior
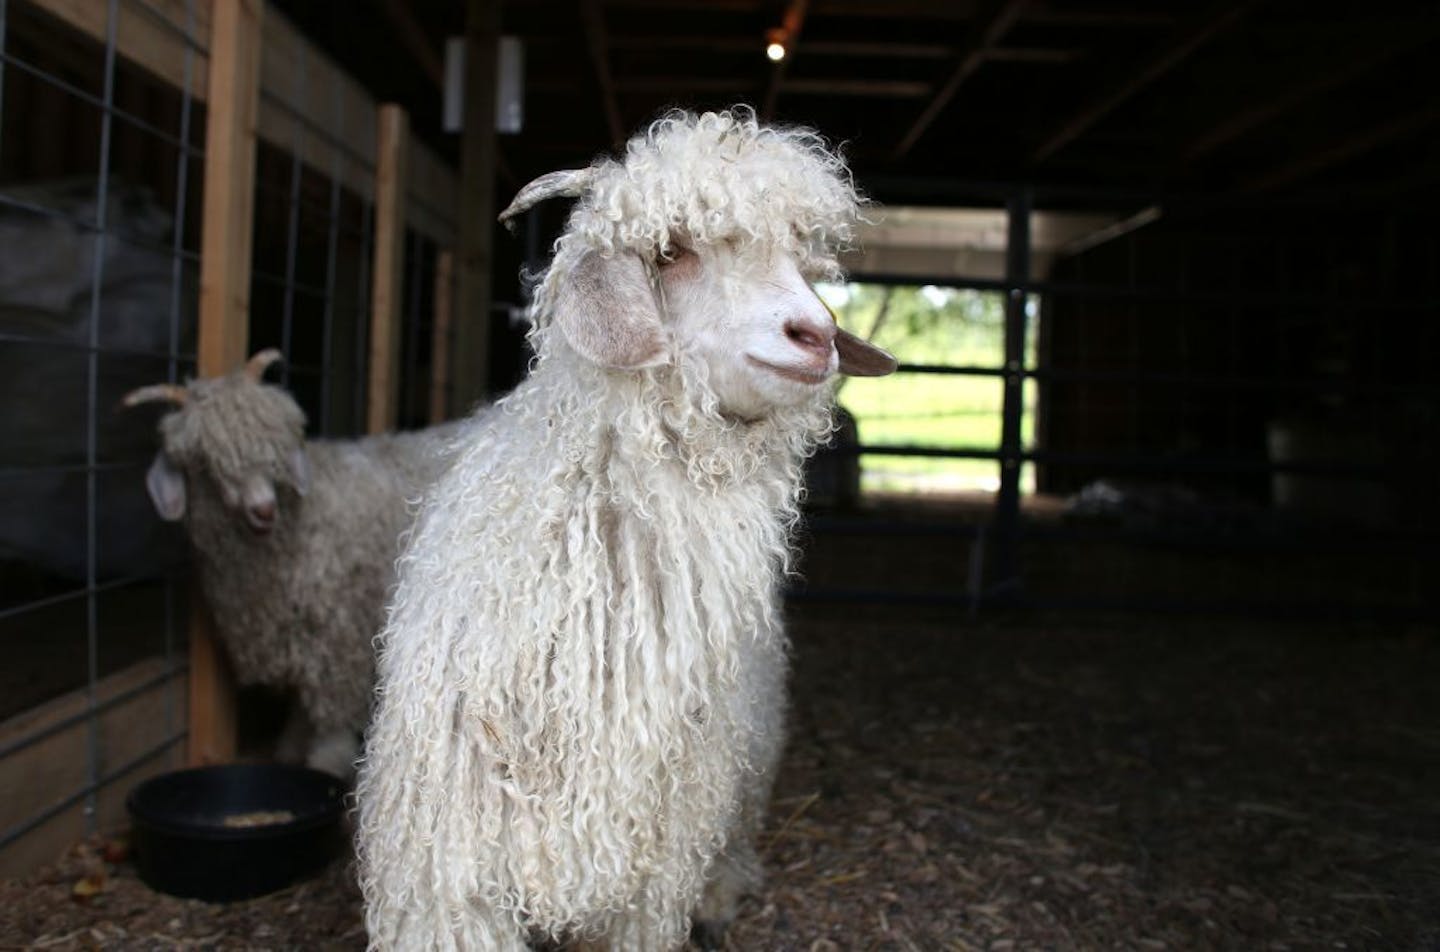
x,y
1115,618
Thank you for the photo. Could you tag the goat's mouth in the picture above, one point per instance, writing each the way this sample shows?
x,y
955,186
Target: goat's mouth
x,y
799,373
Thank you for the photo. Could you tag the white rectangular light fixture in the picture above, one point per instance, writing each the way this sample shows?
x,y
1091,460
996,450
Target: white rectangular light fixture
x,y
509,85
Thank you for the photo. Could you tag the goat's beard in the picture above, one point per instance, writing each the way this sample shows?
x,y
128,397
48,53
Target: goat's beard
x,y
716,444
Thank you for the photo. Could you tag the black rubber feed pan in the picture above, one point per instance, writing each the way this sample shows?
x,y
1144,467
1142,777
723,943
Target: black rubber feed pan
x,y
234,831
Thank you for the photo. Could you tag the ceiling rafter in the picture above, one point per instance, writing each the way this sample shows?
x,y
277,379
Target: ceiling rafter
x,y
600,58
1210,23
986,31
862,49
1350,146
415,39
791,24
1308,85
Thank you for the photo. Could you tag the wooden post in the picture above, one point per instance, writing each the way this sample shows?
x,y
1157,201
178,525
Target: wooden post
x,y
440,336
225,250
388,275
470,357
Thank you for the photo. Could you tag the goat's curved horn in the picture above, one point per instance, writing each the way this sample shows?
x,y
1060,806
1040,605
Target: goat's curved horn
x,y
168,392
568,183
256,366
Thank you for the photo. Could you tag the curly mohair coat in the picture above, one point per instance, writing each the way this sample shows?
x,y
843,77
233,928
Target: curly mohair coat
x,y
296,586
581,682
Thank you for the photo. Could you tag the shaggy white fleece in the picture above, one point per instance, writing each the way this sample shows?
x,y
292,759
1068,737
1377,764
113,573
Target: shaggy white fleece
x,y
297,605
581,679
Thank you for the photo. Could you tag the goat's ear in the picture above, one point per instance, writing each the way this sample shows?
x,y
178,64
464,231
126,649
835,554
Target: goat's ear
x,y
606,309
299,466
166,486
860,358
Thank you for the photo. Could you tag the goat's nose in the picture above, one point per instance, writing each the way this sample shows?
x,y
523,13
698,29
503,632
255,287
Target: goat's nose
x,y
810,337
263,512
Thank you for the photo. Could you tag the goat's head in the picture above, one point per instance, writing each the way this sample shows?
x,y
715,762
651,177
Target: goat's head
x,y
701,247
242,437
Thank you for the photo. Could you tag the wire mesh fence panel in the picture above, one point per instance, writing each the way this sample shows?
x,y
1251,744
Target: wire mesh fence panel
x,y
314,204
100,176
102,166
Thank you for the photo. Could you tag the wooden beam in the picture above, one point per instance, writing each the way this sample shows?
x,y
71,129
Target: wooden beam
x,y
1308,84
149,38
470,353
1348,147
868,48
671,85
415,40
387,275
1069,13
1213,21
224,323
338,130
791,23
949,11
444,313
228,217
855,88
1037,55
1112,231
986,31
136,709
599,47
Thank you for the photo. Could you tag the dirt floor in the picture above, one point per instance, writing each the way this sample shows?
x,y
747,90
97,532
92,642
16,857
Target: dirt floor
x,y
1010,782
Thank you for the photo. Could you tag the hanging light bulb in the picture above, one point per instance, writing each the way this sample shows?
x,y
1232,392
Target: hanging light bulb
x,y
775,45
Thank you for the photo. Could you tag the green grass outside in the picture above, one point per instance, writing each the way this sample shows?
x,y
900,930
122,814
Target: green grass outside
x,y
939,326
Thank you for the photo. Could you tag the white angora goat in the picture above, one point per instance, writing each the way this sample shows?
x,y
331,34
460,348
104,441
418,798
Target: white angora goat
x,y
581,681
296,586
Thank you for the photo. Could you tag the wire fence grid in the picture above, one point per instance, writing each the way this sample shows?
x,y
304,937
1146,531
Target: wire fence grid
x,y
101,178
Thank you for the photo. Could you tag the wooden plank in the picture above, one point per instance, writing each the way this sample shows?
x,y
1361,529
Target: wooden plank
x,y
440,336
470,354
142,37
433,192
213,722
309,104
43,774
225,251
337,137
226,231
388,273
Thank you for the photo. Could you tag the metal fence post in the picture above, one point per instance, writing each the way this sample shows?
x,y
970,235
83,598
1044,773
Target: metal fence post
x,y
1007,500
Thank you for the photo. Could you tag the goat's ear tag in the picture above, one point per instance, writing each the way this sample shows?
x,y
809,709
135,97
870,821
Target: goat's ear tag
x,y
860,358
607,312
166,486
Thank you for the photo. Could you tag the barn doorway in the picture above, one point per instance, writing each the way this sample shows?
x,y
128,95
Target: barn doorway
x,y
935,430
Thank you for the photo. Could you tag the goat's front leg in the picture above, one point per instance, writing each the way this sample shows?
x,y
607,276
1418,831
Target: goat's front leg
x,y
335,752
294,740
735,873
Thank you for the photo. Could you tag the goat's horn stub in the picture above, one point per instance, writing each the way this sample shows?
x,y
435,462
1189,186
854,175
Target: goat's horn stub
x,y
568,184
157,392
860,358
256,366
